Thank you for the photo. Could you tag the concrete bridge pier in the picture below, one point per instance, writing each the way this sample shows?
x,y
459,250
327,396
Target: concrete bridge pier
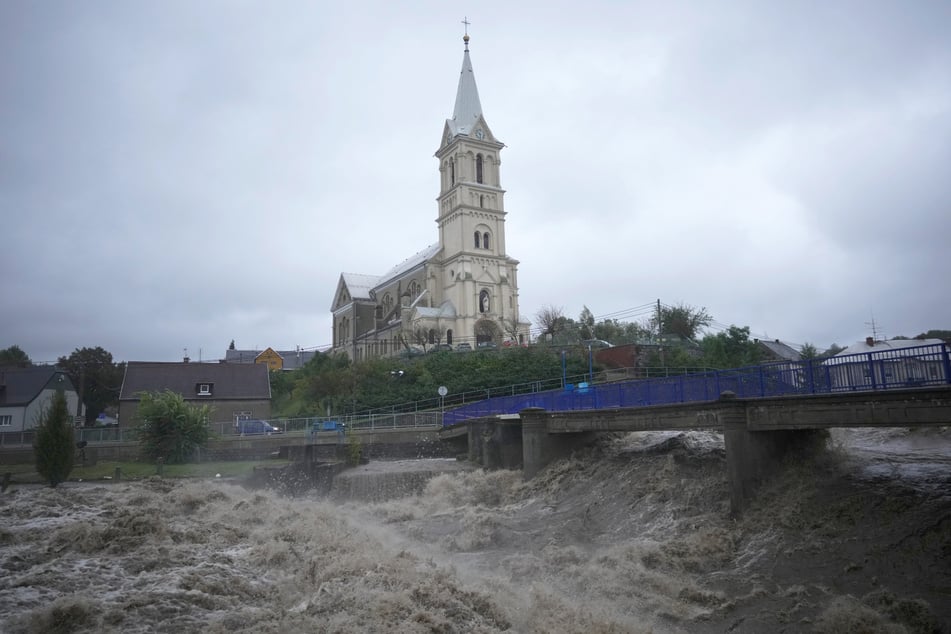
x,y
539,447
752,457
495,444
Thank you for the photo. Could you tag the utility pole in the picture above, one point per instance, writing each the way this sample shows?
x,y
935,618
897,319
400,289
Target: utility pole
x,y
82,389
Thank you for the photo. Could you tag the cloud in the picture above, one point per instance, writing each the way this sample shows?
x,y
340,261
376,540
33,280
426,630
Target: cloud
x,y
177,175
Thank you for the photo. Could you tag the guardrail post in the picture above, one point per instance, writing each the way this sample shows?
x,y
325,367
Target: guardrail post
x,y
946,362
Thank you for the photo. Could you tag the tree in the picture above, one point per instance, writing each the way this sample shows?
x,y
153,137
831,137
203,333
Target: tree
x,y
550,320
96,377
730,349
510,327
682,320
808,351
586,323
14,356
171,429
944,335
833,350
53,442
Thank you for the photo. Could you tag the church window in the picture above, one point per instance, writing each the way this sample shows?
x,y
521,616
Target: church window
x,y
449,336
432,336
481,200
484,301
452,172
478,168
478,238
485,240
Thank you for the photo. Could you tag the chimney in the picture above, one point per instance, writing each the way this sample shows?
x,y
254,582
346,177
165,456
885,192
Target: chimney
x,y
869,342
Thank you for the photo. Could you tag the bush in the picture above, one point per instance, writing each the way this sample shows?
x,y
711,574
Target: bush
x,y
53,442
171,429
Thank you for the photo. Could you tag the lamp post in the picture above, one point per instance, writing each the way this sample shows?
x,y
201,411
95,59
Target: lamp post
x,y
564,370
590,365
442,391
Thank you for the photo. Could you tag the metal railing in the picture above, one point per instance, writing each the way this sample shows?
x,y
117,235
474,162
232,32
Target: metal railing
x,y
884,369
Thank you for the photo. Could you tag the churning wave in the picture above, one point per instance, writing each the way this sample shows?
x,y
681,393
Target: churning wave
x,y
630,535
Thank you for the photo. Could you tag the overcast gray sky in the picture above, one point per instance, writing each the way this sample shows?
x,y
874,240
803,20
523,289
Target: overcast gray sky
x,y
178,174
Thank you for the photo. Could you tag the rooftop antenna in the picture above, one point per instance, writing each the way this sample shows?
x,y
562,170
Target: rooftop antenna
x,y
874,328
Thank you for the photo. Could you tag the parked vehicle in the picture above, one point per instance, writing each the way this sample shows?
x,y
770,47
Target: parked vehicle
x,y
486,345
441,347
256,427
463,347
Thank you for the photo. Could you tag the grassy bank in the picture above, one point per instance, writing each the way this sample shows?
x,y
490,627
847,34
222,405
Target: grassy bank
x,y
106,470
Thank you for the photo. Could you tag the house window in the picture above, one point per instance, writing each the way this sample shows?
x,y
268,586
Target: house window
x,y
6,420
204,389
478,168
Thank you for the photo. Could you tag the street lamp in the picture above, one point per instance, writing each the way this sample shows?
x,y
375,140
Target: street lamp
x,y
590,365
564,369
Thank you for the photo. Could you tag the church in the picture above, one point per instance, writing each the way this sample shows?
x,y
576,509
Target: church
x,y
461,291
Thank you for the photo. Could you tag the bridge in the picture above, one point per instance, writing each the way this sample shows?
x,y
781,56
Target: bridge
x,y
762,411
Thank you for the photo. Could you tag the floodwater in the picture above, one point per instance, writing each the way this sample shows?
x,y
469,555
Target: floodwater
x,y
631,535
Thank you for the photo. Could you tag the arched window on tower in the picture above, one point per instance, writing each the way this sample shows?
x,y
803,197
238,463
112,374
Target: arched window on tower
x,y
478,168
485,240
452,172
478,238
481,200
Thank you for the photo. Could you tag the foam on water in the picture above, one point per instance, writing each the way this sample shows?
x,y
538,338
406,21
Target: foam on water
x,y
630,535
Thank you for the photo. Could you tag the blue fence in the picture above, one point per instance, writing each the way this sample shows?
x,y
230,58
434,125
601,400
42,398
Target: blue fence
x,y
875,370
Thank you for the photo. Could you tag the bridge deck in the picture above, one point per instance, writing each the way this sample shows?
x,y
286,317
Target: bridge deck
x,y
893,408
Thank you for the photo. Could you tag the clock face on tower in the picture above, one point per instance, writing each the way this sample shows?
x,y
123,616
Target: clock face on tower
x,y
480,134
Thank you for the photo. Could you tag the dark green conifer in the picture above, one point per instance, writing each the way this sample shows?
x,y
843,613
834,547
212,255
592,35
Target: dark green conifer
x,y
53,442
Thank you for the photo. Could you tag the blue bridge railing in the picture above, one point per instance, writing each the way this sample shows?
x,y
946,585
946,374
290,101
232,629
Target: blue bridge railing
x,y
883,369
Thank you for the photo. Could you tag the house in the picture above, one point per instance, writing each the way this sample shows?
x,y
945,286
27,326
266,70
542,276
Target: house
x,y
785,361
273,359
25,393
869,364
776,350
233,390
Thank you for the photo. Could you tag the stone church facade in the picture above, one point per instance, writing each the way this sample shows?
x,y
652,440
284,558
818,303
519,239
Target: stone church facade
x,y
464,288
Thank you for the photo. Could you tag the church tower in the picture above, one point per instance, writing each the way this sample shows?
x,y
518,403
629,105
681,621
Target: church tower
x,y
479,276
460,292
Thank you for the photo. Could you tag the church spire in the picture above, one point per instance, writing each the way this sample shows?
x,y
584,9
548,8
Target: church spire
x,y
468,108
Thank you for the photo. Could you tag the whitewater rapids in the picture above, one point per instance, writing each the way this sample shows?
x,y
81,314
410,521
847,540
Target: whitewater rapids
x,y
631,535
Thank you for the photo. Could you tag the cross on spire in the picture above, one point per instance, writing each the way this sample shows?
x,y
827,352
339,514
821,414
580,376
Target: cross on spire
x,y
465,38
